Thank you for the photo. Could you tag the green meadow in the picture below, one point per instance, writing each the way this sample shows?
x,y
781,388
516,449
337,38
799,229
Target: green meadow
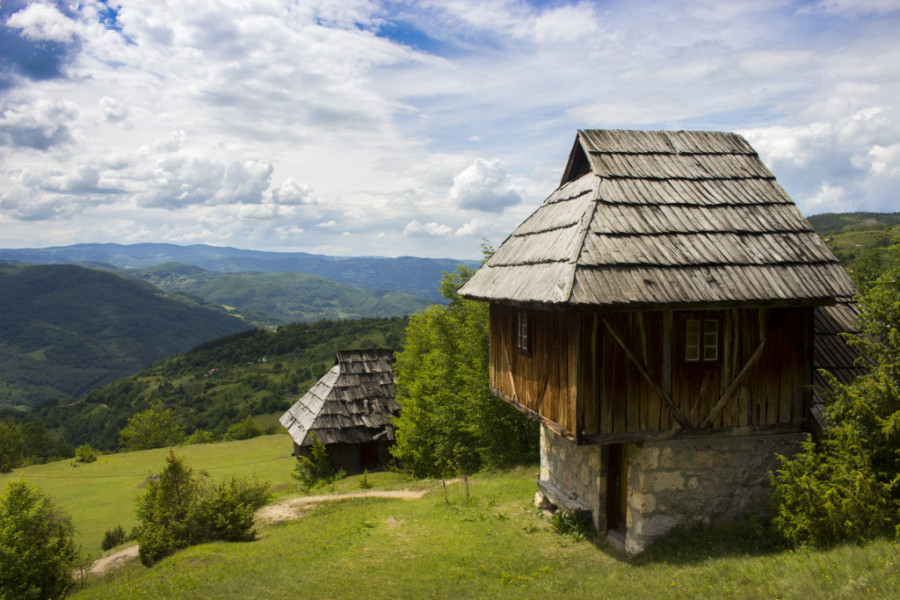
x,y
495,546
101,494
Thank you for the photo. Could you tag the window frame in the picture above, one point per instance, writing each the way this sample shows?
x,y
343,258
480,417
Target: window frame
x,y
700,339
523,335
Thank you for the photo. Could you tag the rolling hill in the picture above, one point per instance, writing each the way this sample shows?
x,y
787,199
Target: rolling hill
x,y
220,382
65,330
405,274
279,298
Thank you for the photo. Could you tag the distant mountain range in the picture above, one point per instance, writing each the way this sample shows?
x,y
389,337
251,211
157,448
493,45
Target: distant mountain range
x,y
405,274
65,330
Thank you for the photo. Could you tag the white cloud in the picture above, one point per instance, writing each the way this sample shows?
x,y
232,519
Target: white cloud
x,y
41,126
43,22
416,229
483,186
432,123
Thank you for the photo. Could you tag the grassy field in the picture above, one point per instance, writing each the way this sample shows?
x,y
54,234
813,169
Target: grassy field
x,y
101,495
497,546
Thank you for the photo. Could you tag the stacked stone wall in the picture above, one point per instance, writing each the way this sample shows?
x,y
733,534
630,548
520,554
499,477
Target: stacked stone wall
x,y
576,470
695,481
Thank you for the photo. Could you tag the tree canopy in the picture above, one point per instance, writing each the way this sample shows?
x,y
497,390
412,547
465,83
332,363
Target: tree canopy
x,y
36,547
451,423
847,487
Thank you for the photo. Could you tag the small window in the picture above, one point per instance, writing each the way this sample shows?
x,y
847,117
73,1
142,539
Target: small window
x,y
701,340
522,342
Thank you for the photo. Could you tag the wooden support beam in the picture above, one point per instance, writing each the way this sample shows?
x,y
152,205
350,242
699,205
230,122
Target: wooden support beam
x,y
551,425
666,399
683,434
723,400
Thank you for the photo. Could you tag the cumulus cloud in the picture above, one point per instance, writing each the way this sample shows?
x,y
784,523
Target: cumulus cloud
x,y
474,228
292,193
40,21
41,126
416,229
183,179
483,186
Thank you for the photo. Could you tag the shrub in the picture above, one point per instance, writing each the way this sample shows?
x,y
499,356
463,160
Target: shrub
x,y
201,436
85,454
36,548
178,511
364,483
316,469
847,487
244,430
112,538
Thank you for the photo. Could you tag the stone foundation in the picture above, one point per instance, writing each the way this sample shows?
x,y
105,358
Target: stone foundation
x,y
670,483
577,470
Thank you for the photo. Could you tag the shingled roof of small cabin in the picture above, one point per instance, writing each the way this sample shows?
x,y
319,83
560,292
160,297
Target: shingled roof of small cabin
x,y
651,219
352,403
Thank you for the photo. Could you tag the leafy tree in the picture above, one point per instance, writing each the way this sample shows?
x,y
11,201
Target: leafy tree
x,y
11,441
178,511
451,423
847,487
36,548
84,453
152,428
244,430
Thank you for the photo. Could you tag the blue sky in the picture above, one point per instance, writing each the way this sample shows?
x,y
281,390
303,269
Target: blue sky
x,y
353,127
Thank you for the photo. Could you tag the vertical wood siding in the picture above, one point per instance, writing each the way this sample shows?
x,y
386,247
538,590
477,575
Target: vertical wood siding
x,y
578,375
546,379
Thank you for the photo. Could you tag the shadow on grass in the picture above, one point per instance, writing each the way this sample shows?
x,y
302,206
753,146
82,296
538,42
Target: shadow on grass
x,y
751,536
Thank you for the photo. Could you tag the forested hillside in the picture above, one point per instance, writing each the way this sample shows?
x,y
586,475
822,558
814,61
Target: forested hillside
x,y
279,298
220,382
404,274
859,241
67,329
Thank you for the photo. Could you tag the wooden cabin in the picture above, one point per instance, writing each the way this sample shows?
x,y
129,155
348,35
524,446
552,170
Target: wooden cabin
x,y
351,409
657,314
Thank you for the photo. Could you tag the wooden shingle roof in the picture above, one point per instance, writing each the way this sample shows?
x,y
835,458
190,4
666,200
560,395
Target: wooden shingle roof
x,y
352,403
653,219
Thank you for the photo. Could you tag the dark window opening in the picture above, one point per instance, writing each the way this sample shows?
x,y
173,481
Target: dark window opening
x,y
701,340
522,339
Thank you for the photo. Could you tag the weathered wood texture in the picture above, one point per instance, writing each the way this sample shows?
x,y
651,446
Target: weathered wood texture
x,y
658,220
611,373
544,381
351,404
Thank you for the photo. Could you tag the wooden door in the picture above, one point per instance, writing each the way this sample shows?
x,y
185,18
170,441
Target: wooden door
x,y
616,490
369,455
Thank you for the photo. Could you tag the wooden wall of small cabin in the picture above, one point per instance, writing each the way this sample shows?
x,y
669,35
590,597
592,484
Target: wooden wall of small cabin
x,y
544,379
578,375
756,383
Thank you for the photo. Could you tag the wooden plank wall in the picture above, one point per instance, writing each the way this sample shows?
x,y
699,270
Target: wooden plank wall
x,y
772,392
546,380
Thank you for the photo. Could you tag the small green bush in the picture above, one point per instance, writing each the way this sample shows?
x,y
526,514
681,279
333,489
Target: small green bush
x,y
201,436
244,430
112,538
316,469
178,511
364,483
85,454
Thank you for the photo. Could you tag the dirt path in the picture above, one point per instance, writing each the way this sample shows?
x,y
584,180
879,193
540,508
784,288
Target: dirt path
x,y
286,510
114,561
291,509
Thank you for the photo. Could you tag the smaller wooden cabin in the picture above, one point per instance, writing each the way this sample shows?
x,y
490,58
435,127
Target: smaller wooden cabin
x,y
657,315
350,409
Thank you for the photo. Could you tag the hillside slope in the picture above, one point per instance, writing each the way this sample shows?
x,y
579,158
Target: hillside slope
x,y
222,381
286,297
405,274
67,330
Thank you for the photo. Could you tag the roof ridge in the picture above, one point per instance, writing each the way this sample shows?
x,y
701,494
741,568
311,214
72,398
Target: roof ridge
x,y
584,226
